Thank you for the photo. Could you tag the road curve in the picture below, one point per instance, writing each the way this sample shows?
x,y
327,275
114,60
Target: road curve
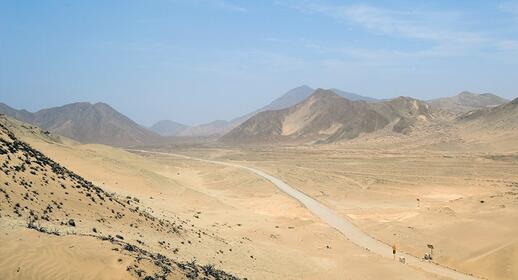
x,y
338,222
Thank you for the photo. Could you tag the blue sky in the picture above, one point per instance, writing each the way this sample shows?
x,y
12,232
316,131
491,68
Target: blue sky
x,y
195,61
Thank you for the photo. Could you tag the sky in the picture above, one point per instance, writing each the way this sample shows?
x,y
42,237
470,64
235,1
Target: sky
x,y
194,61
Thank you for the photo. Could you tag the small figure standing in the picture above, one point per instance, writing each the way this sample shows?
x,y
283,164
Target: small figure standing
x,y
394,251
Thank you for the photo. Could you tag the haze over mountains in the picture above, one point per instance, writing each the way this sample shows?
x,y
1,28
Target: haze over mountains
x,y
467,101
328,117
301,115
290,98
502,117
167,128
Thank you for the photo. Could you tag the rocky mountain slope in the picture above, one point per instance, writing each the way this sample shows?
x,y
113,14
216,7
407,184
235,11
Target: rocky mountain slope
x,y
502,117
327,117
22,115
290,98
87,123
467,101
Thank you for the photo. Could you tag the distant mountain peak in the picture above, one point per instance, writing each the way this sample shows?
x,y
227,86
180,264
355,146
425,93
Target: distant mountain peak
x,y
401,98
327,117
320,92
330,96
405,99
467,101
304,87
102,105
168,128
88,123
77,104
290,98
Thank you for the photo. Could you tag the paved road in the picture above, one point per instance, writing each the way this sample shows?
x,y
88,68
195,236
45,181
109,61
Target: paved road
x,y
338,222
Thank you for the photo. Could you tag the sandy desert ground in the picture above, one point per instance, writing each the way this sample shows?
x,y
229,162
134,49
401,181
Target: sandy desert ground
x,y
468,211
468,201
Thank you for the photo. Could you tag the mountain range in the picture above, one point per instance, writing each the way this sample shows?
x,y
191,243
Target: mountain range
x,y
300,115
328,117
221,127
325,117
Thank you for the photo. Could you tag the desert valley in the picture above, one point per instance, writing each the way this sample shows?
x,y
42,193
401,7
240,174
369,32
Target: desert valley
x,y
319,184
258,140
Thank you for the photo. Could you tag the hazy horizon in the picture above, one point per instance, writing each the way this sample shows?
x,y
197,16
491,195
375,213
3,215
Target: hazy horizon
x,y
152,122
198,61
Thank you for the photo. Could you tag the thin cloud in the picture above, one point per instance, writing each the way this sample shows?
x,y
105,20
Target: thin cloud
x,y
406,24
443,30
226,5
